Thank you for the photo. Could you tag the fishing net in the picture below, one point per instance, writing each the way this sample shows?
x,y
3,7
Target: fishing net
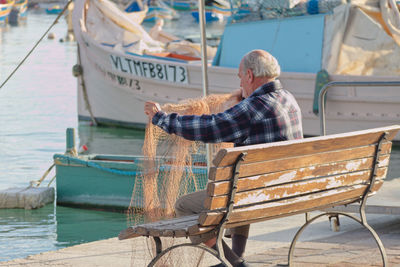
x,y
172,167
272,9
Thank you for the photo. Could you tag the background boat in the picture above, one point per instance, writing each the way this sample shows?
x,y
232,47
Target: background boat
x,y
18,12
22,7
5,9
214,10
181,5
118,76
154,10
55,9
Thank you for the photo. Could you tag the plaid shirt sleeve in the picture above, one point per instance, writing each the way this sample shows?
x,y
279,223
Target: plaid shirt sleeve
x,y
268,115
230,126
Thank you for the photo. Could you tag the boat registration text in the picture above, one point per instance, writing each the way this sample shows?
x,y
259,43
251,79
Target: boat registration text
x,y
158,71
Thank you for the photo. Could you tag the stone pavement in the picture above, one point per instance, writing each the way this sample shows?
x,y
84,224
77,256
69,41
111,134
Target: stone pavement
x,y
268,243
354,248
268,246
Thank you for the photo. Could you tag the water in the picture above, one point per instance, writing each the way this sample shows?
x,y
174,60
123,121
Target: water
x,y
36,106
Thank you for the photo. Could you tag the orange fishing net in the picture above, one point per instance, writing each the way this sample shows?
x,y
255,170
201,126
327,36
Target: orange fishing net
x,y
172,167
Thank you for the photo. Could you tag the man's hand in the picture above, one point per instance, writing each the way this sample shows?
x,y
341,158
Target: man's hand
x,y
151,108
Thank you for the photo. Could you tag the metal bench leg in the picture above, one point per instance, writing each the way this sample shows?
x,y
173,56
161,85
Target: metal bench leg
x,y
157,240
362,222
200,246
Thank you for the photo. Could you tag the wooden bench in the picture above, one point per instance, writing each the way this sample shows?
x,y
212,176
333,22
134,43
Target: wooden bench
x,y
261,182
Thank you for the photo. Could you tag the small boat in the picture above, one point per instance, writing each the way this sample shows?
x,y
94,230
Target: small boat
x,y
18,12
5,9
155,10
215,10
316,42
54,10
209,16
181,5
106,182
22,7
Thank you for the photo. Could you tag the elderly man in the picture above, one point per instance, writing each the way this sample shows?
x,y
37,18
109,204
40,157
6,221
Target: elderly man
x,y
266,113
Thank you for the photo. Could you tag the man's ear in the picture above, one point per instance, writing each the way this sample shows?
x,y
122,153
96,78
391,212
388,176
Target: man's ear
x,y
251,75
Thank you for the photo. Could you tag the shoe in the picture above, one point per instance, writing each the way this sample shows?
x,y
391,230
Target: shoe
x,y
243,264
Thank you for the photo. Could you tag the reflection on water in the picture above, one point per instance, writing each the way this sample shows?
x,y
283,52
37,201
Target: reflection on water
x,y
27,232
76,226
108,140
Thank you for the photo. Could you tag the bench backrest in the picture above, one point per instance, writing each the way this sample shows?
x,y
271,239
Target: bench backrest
x,y
290,177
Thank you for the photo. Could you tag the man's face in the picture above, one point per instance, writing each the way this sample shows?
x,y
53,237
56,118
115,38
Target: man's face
x,y
245,81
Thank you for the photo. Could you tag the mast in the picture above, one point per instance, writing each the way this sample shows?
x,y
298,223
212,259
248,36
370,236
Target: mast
x,y
202,22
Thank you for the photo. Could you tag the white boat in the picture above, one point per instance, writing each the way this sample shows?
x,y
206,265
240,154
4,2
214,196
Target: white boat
x,y
123,66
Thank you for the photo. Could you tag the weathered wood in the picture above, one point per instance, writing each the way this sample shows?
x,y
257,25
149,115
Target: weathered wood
x,y
287,190
253,168
247,183
272,178
127,233
288,206
304,146
172,227
199,229
329,205
168,232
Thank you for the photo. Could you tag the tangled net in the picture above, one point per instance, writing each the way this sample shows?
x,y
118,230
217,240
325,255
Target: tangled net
x,y
172,167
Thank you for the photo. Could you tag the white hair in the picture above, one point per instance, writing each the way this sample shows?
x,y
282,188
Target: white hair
x,y
262,63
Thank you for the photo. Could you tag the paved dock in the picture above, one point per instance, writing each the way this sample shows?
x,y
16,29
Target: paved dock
x,y
268,245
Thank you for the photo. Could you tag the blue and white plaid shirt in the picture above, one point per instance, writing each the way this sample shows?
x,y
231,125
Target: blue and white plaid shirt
x,y
270,114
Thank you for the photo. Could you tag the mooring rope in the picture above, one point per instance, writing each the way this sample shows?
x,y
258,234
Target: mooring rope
x,y
84,90
37,43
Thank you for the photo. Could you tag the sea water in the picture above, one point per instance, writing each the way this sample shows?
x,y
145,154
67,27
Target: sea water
x,y
36,106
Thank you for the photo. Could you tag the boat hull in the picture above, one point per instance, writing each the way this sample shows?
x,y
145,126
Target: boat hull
x,y
114,86
106,182
22,7
82,186
116,98
5,10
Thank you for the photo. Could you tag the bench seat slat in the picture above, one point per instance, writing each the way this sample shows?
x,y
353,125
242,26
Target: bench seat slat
x,y
249,168
293,189
172,227
329,205
246,183
312,201
292,148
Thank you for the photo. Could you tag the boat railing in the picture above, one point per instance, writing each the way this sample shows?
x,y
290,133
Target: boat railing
x,y
322,93
382,207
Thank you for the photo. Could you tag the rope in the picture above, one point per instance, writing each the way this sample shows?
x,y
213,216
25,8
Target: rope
x,y
84,91
37,43
38,182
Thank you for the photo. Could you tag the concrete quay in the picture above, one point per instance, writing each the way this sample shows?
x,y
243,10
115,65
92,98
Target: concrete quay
x,y
268,243
268,246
